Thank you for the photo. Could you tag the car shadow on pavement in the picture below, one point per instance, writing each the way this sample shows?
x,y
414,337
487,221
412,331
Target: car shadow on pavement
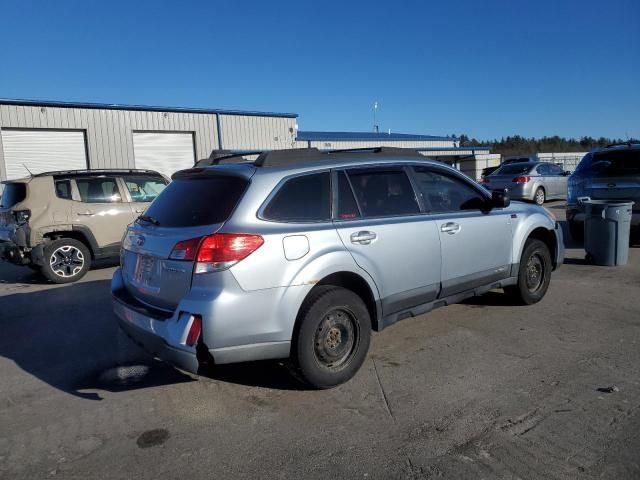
x,y
14,274
271,374
68,338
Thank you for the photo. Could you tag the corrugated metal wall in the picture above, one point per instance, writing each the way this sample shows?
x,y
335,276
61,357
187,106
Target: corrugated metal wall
x,y
241,132
109,132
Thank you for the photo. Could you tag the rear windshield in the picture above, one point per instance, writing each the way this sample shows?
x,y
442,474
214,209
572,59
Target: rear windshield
x,y
197,200
513,169
13,193
619,163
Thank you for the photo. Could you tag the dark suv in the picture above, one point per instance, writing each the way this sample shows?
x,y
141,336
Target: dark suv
x,y
611,173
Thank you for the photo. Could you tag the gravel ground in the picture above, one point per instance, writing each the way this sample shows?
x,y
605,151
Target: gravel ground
x,y
479,390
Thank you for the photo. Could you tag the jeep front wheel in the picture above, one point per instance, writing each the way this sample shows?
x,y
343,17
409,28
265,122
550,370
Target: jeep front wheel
x,y
332,337
66,260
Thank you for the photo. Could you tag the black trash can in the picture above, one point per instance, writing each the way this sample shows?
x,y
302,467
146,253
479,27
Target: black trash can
x,y
607,225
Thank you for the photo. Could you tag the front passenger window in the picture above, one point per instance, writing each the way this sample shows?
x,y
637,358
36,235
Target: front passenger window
x,y
445,193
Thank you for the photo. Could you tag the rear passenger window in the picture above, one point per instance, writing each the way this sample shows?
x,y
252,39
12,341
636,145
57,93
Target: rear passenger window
x,y
443,193
383,192
302,199
98,190
347,206
63,189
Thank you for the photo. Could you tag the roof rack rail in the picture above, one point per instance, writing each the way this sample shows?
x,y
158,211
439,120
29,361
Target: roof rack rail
x,y
220,156
94,170
294,156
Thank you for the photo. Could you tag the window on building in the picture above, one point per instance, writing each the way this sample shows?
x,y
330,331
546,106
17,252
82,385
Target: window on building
x,y
302,199
383,192
98,190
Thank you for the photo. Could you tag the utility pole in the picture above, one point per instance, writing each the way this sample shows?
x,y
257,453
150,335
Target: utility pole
x,y
375,124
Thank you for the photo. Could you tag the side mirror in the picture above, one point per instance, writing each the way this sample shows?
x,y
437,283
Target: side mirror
x,y
500,199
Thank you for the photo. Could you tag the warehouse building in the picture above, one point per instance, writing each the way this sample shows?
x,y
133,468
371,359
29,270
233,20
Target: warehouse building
x,y
39,136
43,136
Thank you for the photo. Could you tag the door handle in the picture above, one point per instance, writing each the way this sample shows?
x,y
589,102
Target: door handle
x,y
450,227
363,238
139,210
87,213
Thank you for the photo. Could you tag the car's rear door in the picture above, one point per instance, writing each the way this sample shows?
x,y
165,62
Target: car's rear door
x,y
475,242
98,206
379,221
559,181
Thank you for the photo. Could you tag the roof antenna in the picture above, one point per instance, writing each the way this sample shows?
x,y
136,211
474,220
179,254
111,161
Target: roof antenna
x,y
27,169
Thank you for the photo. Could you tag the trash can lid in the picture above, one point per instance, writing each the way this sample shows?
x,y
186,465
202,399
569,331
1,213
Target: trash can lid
x,y
607,202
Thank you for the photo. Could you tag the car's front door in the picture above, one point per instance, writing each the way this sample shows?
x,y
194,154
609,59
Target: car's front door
x,y
142,190
475,242
98,207
380,222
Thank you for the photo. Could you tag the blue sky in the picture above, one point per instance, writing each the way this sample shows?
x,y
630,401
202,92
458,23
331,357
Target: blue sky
x,y
488,69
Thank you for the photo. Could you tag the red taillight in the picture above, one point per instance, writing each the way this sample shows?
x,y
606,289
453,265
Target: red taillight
x,y
194,331
185,250
521,179
228,247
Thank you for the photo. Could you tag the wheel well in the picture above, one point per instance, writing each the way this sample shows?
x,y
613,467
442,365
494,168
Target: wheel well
x,y
359,286
548,238
75,234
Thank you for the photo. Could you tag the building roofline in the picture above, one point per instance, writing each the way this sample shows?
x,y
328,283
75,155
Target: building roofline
x,y
316,136
116,106
452,149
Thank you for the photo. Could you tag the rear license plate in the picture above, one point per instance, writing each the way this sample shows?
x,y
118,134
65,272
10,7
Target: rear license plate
x,y
143,273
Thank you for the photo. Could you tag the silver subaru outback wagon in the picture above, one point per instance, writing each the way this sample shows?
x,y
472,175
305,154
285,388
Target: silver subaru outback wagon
x,y
301,254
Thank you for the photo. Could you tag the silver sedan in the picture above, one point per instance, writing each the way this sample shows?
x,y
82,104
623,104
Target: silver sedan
x,y
534,181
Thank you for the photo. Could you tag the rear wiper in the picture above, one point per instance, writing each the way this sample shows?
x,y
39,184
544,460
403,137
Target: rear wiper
x,y
149,219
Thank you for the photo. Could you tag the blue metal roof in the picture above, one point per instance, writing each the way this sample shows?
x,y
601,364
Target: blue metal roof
x,y
365,136
145,108
452,149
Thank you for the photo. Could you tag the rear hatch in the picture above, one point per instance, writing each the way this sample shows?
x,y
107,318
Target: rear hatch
x,y
194,205
12,194
504,176
616,176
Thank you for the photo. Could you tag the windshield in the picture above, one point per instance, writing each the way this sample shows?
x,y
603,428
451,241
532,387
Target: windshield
x,y
617,163
513,169
13,193
197,200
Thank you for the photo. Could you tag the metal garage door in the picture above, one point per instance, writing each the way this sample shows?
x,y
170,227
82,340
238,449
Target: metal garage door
x,y
42,151
164,152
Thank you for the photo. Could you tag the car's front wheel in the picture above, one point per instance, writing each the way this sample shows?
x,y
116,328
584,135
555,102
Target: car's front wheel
x,y
534,273
331,338
66,260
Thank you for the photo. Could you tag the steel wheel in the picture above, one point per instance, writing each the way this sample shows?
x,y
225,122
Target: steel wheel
x,y
535,273
66,261
335,339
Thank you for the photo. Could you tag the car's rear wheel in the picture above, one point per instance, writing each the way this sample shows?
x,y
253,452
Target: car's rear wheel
x,y
66,260
539,197
331,338
534,273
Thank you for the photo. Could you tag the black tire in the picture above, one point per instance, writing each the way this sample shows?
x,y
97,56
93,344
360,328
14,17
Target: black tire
x,y
576,229
540,196
531,287
331,338
73,260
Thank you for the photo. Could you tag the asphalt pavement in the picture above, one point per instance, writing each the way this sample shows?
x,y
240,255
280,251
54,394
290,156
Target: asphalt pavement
x,y
479,390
